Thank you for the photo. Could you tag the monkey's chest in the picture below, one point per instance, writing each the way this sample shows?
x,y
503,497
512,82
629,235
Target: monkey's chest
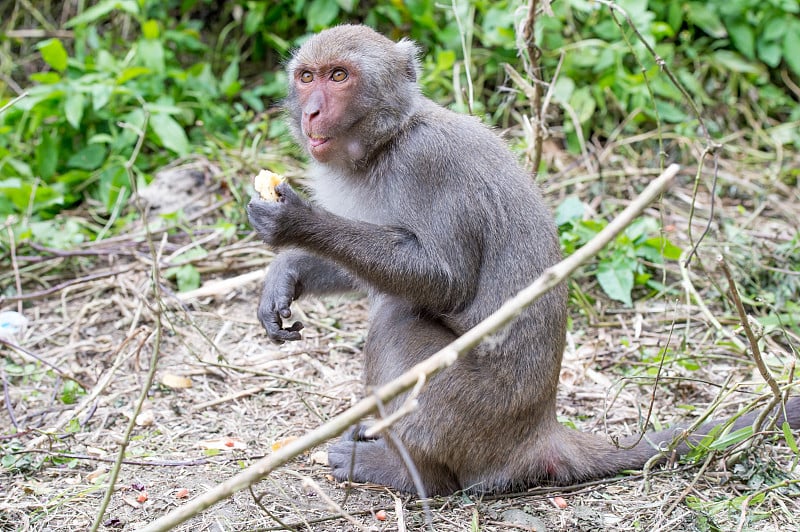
x,y
339,196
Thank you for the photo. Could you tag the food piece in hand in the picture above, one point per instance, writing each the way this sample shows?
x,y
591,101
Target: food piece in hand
x,y
265,183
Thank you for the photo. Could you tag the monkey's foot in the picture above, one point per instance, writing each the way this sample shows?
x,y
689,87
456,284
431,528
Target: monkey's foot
x,y
368,461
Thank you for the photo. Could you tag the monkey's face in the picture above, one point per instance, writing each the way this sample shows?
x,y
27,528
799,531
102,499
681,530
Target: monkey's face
x,y
350,90
325,96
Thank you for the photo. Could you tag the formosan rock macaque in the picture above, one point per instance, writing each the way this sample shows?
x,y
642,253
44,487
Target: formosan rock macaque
x,y
429,212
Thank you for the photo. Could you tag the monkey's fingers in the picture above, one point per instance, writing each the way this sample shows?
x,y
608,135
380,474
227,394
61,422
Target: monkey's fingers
x,y
284,192
291,334
296,326
273,325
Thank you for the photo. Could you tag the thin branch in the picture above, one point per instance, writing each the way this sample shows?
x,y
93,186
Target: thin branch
x,y
66,284
31,354
12,102
440,360
534,72
151,373
751,337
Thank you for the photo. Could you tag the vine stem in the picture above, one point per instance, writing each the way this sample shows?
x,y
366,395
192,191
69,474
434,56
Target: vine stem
x,y
748,330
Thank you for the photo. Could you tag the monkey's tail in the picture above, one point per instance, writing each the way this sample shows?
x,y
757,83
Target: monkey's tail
x,y
581,456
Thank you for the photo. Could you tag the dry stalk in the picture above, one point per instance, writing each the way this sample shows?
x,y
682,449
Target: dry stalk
x,y
151,373
534,71
398,510
751,338
308,482
442,359
712,148
693,294
13,102
44,362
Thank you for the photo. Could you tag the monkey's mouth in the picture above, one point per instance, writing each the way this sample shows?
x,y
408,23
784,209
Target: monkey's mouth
x,y
317,140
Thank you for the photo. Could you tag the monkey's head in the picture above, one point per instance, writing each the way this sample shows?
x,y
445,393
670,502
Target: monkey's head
x,y
350,90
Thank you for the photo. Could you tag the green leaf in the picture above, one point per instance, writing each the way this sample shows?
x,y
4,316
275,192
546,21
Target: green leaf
x,y
229,83
775,28
101,10
253,21
70,392
73,108
445,59
583,103
89,158
321,13
787,434
101,94
187,277
743,37
22,168
150,29
113,181
702,16
54,54
563,89
151,54
170,133
47,155
131,73
347,5
640,227
791,45
675,15
45,78
570,209
664,248
670,112
770,53
616,280
732,438
735,62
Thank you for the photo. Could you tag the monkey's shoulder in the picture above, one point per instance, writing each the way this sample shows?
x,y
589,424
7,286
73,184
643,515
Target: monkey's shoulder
x,y
445,146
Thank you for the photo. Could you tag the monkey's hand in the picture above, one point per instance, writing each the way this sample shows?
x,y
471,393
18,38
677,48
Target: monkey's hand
x,y
281,287
274,221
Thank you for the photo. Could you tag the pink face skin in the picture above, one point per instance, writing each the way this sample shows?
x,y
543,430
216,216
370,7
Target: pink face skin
x,y
325,93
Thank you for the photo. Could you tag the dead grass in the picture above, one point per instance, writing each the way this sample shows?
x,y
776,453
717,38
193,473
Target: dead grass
x,y
97,327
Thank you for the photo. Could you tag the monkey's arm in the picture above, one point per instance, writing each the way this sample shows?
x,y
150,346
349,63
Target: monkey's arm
x,y
292,274
434,272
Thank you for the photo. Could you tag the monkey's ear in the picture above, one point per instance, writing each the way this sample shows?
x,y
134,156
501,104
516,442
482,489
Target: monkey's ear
x,y
408,49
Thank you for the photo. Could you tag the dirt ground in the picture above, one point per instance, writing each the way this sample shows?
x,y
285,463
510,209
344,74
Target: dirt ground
x,y
93,317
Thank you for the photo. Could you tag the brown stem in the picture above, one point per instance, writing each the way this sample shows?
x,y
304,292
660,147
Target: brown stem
x,y
751,337
533,70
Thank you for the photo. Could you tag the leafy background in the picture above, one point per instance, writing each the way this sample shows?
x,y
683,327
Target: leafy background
x,y
203,78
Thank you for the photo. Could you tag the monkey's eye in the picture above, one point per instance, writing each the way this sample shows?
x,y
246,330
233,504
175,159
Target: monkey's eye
x,y
306,77
339,74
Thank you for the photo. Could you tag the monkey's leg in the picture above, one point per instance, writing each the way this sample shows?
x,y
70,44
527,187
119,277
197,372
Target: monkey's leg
x,y
398,339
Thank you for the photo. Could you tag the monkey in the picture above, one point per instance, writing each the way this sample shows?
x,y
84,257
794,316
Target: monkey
x,y
430,214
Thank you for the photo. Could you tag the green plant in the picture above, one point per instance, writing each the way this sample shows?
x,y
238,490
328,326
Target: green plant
x,y
626,262
67,140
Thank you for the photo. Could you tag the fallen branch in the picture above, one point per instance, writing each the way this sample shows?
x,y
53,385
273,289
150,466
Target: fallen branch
x,y
438,361
223,287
